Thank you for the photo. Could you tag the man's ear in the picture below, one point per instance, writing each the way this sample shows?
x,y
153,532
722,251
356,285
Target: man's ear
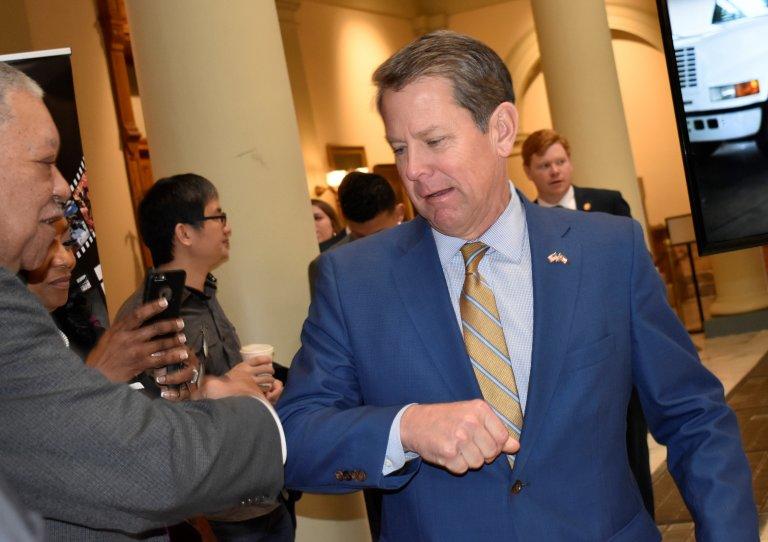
x,y
181,234
503,125
400,212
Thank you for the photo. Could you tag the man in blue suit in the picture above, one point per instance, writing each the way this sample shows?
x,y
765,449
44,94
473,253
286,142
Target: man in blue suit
x,y
476,363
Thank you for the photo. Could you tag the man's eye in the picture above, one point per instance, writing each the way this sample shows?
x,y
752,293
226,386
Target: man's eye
x,y
434,142
398,150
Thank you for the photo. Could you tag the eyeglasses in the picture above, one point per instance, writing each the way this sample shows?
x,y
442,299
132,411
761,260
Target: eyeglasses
x,y
221,218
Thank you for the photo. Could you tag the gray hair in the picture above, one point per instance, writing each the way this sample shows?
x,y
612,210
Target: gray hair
x,y
14,79
479,77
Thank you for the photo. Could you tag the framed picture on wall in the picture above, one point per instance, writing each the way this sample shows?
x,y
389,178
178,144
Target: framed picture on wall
x,y
345,157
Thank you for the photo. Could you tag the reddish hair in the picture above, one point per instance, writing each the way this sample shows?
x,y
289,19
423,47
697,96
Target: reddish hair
x,y
538,143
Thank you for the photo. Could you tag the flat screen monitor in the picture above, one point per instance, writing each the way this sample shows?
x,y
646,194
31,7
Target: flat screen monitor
x,y
717,58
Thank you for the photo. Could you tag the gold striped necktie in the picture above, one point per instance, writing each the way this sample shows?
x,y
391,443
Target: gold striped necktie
x,y
486,346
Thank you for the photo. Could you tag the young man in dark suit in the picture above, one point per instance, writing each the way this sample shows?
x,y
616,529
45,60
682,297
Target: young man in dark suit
x,y
547,163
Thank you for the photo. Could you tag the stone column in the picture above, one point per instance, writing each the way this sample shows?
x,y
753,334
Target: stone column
x,y
584,94
314,156
217,102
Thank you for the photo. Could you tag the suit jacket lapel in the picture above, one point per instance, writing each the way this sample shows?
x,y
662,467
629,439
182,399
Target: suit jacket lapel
x,y
419,280
578,195
555,288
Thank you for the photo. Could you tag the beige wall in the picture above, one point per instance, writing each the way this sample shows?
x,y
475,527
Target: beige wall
x,y
500,26
74,24
341,48
14,27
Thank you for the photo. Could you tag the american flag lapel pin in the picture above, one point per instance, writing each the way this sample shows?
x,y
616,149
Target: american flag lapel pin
x,y
557,257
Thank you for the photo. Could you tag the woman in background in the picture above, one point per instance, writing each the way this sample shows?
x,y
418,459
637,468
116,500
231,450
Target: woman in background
x,y
115,353
69,308
50,283
327,226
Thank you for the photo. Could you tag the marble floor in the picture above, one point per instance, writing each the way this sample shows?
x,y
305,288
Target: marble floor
x,y
730,359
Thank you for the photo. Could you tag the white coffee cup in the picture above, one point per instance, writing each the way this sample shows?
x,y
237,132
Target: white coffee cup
x,y
253,350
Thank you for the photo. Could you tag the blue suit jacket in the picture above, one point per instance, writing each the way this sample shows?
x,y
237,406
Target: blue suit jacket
x,y
381,333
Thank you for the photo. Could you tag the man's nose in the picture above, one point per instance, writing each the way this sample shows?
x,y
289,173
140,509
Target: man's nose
x,y
63,257
416,165
61,190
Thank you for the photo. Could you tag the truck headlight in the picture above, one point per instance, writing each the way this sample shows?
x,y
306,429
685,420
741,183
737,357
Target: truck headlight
x,y
727,92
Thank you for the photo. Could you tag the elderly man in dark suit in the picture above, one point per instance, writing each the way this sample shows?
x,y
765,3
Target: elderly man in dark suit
x,y
98,460
547,162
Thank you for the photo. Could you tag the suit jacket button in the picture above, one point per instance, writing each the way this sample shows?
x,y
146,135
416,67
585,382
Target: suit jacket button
x,y
339,475
517,487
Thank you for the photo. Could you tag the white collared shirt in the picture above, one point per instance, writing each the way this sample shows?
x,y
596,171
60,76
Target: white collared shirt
x,y
506,268
568,201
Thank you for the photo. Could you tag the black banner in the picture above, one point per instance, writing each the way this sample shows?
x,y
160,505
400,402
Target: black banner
x,y
52,70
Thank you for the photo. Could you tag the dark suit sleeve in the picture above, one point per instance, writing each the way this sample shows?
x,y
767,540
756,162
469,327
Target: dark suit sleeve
x,y
620,206
685,408
336,443
80,449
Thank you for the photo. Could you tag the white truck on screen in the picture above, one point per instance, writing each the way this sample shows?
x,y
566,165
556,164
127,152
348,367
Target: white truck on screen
x,y
721,49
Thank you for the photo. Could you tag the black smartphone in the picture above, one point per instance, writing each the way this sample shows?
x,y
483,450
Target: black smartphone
x,y
169,285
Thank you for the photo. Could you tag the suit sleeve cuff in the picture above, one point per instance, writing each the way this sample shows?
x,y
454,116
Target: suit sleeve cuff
x,y
396,457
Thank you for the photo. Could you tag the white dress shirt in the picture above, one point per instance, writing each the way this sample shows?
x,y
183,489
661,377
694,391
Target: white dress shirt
x,y
568,201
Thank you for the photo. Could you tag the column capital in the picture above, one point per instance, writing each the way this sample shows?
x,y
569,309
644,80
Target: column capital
x,y
424,24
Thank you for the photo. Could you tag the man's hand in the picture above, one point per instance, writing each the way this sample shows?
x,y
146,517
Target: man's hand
x,y
274,393
250,377
126,349
176,385
457,436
